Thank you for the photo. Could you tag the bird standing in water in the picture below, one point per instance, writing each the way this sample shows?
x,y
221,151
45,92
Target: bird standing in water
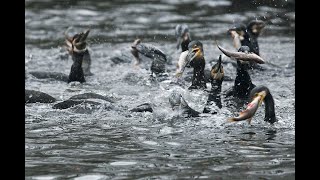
x,y
76,46
74,41
216,79
195,58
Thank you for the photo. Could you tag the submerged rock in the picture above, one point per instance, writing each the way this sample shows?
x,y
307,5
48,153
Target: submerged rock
x,y
32,96
145,107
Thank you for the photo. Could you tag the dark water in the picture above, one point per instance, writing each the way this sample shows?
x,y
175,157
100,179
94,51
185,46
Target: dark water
x,y
112,143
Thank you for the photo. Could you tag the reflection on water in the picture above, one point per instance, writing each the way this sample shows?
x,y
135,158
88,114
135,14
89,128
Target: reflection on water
x,y
113,143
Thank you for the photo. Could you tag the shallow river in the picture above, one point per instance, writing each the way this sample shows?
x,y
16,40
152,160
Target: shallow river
x,y
113,143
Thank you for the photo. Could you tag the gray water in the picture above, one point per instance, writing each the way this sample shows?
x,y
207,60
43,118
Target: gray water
x,y
110,142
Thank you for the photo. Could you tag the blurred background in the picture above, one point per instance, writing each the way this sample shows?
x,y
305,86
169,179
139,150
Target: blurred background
x,y
122,21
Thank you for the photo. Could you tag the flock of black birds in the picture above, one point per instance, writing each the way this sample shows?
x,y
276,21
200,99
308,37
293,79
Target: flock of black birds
x,y
245,39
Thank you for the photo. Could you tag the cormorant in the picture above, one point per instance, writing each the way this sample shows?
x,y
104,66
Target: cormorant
x,y
76,47
216,79
248,36
183,36
195,59
244,89
159,58
258,95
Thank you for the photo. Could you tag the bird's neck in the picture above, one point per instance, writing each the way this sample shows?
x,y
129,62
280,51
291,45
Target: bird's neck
x,y
184,45
76,72
77,58
216,86
270,115
242,84
198,79
251,40
215,93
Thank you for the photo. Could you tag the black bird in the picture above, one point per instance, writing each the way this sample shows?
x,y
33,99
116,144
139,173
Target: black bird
x,y
183,36
258,95
247,35
216,79
159,58
244,89
86,60
242,84
76,47
195,59
184,61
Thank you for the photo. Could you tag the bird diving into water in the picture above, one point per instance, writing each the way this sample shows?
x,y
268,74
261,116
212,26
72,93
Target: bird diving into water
x,y
159,58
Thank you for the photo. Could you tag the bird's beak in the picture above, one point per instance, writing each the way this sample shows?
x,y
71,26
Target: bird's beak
x,y
217,72
262,95
84,35
236,38
242,56
81,37
76,43
257,28
251,109
193,54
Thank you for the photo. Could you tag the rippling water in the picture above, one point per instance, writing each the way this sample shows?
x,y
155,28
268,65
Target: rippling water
x,y
112,143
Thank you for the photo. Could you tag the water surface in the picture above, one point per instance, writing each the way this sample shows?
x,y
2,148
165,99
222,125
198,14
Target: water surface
x,y
112,143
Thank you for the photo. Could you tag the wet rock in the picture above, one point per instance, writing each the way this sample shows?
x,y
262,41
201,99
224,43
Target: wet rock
x,y
32,96
145,107
70,103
